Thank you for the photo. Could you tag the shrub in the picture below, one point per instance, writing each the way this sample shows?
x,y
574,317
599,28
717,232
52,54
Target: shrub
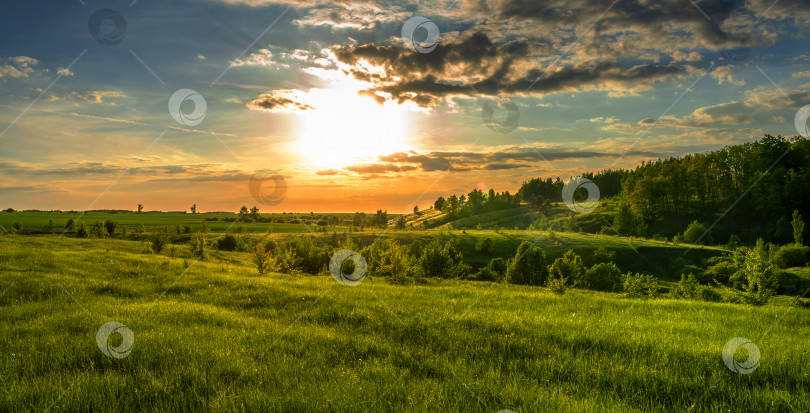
x,y
688,288
109,226
97,230
603,255
16,228
528,266
791,256
81,232
286,260
696,233
640,286
311,255
198,245
699,273
733,242
69,224
485,245
567,269
441,261
486,274
158,241
48,227
720,272
262,258
228,243
605,276
557,285
789,283
760,281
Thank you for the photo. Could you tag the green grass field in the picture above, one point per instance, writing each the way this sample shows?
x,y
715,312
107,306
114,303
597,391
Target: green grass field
x,y
216,337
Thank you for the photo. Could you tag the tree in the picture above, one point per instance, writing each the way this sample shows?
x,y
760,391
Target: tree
x,y
228,243
198,245
567,269
194,209
696,232
98,230
798,228
439,204
110,225
381,219
400,222
254,213
416,209
603,255
140,208
605,276
243,211
359,219
485,245
262,257
81,232
528,266
761,277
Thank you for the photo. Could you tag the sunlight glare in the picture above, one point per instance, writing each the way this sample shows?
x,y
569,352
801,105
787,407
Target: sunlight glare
x,y
345,128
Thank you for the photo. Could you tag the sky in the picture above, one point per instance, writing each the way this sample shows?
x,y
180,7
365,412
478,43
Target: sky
x,y
355,105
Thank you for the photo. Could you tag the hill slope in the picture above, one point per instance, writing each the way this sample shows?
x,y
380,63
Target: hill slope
x,y
222,339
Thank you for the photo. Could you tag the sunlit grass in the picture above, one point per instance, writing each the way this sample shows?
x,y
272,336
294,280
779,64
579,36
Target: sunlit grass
x,y
318,345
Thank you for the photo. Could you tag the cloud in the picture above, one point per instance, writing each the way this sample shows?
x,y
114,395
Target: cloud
x,y
476,66
506,158
17,66
282,101
63,71
601,119
97,96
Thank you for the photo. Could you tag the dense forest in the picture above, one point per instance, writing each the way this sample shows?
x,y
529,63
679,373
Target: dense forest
x,y
754,186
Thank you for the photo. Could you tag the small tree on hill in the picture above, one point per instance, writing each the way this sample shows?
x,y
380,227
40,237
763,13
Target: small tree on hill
x,y
566,270
696,232
798,228
604,276
197,245
109,226
528,266
401,222
194,209
263,258
140,208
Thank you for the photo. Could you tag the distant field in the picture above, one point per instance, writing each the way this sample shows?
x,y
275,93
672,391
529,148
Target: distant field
x,y
215,337
36,220
639,255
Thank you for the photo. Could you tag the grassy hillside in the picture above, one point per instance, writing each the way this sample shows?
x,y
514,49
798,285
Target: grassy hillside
x,y
216,337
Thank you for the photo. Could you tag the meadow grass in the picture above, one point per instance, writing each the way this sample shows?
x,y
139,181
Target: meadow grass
x,y
216,337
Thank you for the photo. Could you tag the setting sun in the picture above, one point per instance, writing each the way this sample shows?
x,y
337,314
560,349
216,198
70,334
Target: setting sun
x,y
346,128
